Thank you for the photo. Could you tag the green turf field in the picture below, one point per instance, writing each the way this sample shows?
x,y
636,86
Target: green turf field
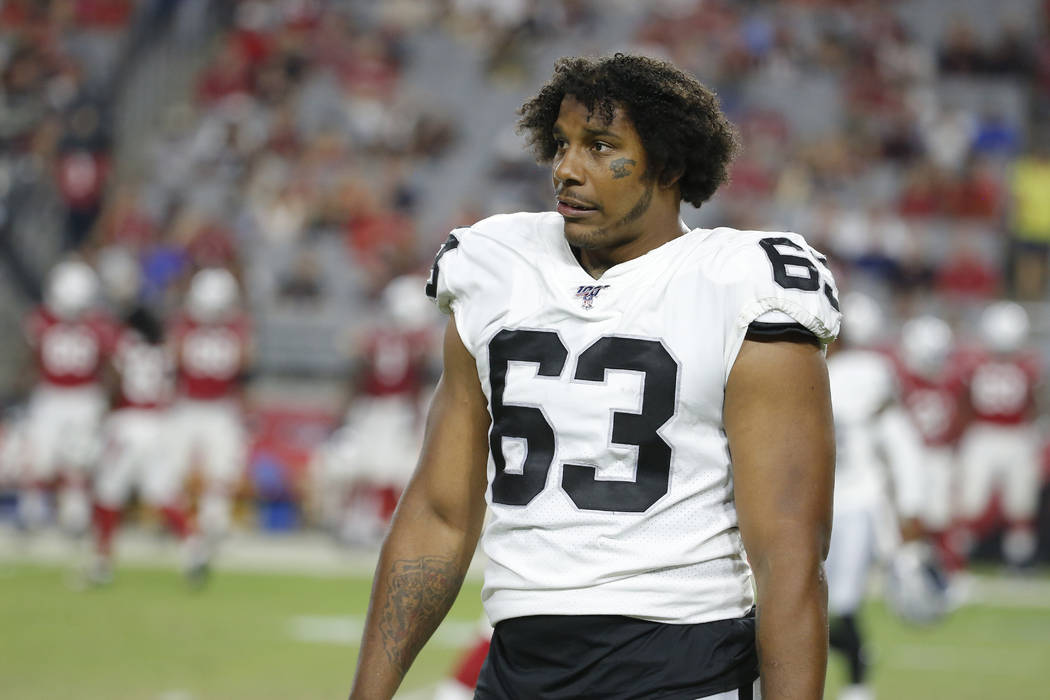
x,y
147,637
278,636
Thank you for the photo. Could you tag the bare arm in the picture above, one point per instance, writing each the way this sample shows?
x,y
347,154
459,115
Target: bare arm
x,y
434,532
781,436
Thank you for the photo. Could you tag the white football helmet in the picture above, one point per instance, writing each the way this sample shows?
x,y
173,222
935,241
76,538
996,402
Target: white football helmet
x,y
72,288
916,585
862,319
212,296
1004,327
406,304
926,343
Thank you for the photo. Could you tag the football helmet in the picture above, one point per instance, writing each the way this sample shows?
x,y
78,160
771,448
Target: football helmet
x,y
1004,327
71,289
916,585
406,304
212,296
926,343
862,319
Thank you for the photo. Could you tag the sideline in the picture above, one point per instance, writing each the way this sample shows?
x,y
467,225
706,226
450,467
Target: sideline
x,y
316,554
297,554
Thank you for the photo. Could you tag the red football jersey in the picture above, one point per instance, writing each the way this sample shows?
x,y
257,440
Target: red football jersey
x,y
936,405
210,356
146,372
394,362
70,353
1002,388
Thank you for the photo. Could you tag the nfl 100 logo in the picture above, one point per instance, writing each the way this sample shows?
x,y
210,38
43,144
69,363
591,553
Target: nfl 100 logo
x,y
587,293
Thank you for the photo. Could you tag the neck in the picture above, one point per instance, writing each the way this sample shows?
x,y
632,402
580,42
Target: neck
x,y
595,261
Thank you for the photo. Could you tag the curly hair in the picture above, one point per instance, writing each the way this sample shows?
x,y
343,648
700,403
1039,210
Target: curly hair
x,y
679,121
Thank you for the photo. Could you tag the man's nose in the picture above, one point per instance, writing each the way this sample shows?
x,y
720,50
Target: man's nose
x,y
567,169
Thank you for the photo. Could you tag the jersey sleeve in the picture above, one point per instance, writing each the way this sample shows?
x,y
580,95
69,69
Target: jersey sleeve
x,y
475,264
779,285
442,285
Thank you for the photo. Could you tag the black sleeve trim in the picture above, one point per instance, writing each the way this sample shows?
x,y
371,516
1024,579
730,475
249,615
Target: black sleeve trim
x,y
451,243
763,332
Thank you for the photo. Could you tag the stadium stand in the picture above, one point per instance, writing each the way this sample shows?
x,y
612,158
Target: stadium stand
x,y
321,149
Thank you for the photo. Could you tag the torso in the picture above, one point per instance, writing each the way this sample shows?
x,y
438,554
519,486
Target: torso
x,y
70,353
935,405
146,373
1002,388
210,357
608,454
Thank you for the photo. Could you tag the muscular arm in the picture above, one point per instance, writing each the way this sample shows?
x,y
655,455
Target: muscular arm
x,y
434,532
781,437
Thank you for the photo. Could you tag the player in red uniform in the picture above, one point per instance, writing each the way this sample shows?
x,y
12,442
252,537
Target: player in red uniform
x,y
933,388
1000,450
361,471
134,437
213,349
71,341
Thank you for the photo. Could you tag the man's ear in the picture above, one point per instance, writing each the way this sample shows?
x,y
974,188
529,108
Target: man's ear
x,y
671,176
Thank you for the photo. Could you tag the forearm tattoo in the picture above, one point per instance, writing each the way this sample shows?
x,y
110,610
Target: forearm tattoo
x,y
419,593
621,167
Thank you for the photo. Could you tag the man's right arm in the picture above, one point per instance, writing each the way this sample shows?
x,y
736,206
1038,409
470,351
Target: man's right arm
x,y
434,532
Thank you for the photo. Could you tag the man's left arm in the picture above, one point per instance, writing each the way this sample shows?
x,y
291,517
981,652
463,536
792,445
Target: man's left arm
x,y
781,438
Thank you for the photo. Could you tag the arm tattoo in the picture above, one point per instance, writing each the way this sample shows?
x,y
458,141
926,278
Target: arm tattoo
x,y
619,167
419,593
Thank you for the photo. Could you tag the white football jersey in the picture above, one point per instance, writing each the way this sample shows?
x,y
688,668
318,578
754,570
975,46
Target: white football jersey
x,y
610,481
879,452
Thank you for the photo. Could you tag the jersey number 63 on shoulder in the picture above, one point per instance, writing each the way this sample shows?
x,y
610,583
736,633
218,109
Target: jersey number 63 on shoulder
x,y
548,352
797,271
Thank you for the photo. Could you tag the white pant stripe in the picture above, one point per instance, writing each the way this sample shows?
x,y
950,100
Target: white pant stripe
x,y
735,695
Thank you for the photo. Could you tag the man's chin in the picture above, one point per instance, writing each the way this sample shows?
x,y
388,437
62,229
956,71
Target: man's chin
x,y
580,235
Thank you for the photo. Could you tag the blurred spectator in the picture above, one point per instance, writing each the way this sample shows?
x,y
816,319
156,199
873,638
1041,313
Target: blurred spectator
x,y
302,284
968,275
1030,221
961,52
83,168
996,136
308,148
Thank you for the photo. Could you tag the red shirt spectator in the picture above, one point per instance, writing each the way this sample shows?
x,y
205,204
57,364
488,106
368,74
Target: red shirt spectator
x,y
82,177
103,14
968,275
229,74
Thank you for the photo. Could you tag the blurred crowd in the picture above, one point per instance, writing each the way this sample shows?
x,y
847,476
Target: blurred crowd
x,y
303,157
919,171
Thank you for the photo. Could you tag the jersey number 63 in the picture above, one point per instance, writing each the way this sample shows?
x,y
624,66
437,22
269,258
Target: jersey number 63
x,y
546,350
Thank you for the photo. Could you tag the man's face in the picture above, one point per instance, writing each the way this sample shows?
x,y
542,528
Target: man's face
x,y
600,180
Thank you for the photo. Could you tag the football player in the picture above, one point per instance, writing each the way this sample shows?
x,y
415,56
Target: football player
x,y
1000,450
933,387
71,340
879,479
133,456
463,680
213,351
367,463
645,410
